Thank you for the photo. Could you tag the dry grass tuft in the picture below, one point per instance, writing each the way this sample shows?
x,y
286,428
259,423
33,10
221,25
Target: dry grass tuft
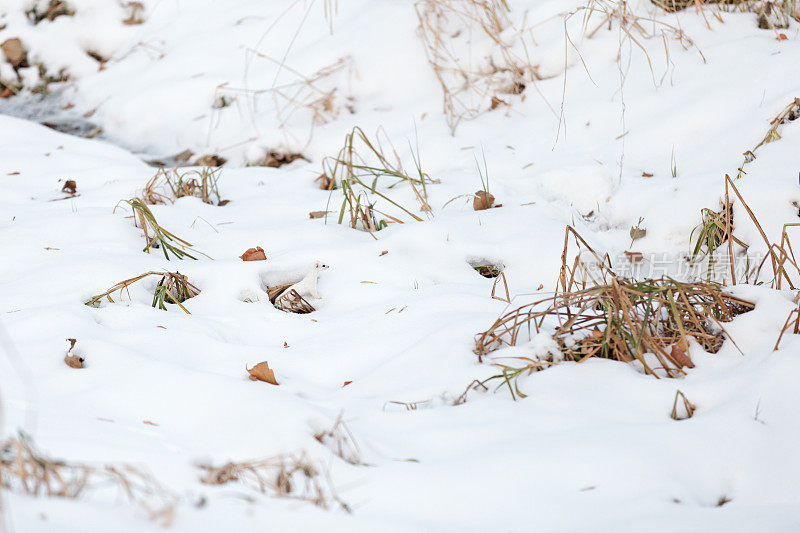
x,y
173,288
24,469
683,410
316,95
595,313
625,320
771,14
166,186
789,113
716,229
488,270
155,235
448,29
792,323
292,302
283,476
340,441
356,171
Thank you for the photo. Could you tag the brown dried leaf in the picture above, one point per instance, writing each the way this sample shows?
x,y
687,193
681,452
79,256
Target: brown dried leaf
x,y
14,52
262,372
482,200
317,214
634,257
72,360
646,175
638,233
680,356
70,187
254,254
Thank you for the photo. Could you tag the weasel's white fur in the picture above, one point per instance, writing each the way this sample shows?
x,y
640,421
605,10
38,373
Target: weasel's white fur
x,y
307,287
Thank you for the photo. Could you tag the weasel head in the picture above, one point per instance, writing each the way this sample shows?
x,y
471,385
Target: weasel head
x,y
320,266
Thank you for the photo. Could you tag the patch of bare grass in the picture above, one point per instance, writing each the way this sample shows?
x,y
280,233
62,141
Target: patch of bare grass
x,y
166,186
283,476
357,169
716,230
648,323
172,288
469,86
23,468
155,235
340,441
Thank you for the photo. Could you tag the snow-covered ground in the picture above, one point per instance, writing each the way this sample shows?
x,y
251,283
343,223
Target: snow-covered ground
x,y
621,129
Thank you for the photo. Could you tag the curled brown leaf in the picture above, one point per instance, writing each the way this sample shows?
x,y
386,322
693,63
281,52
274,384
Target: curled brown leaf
x,y
262,372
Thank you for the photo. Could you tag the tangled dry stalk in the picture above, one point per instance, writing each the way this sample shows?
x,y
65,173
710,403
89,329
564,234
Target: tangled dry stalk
x,y
284,476
595,313
716,230
173,288
470,87
155,235
25,469
789,113
340,441
356,171
166,186
646,321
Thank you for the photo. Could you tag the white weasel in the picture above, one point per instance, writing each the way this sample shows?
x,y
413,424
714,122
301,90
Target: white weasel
x,y
307,287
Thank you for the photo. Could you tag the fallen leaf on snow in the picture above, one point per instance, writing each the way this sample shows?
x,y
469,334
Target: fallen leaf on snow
x,y
646,175
15,53
70,187
262,372
482,200
254,254
680,356
634,257
638,233
73,360
317,214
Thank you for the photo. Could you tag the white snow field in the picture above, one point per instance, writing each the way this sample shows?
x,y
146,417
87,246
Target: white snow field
x,y
629,116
